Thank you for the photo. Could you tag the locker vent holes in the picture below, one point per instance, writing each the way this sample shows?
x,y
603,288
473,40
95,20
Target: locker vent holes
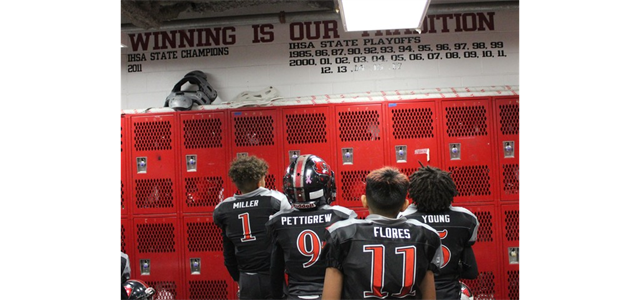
x,y
203,191
204,237
353,184
270,182
412,123
514,284
512,225
509,119
123,243
121,146
203,133
121,195
485,231
149,136
306,128
254,131
466,121
511,179
156,238
208,289
471,180
165,290
483,287
359,126
154,193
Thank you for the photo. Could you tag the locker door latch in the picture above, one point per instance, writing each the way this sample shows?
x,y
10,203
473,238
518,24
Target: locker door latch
x,y
508,147
192,163
293,155
401,154
145,267
454,151
347,156
514,255
141,165
195,265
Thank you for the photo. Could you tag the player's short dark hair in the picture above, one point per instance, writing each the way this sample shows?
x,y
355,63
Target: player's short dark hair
x,y
386,189
246,172
431,189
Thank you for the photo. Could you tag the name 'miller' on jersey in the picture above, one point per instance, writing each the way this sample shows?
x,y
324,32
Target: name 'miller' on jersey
x,y
304,220
245,204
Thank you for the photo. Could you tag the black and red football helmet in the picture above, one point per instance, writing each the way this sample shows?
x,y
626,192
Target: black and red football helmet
x,y
309,182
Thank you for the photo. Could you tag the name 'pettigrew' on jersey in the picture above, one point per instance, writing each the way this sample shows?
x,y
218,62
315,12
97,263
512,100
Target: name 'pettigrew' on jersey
x,y
304,220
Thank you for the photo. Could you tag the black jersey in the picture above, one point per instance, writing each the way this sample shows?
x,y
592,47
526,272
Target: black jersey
x,y
458,229
242,219
381,257
298,237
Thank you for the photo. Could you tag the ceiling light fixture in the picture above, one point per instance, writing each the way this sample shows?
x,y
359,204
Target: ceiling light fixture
x,y
365,15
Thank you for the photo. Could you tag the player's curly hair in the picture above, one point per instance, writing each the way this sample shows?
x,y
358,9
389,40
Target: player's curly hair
x,y
432,189
246,172
386,189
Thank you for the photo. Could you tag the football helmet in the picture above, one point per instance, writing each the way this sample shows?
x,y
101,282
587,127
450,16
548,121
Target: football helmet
x,y
138,290
309,182
184,100
465,292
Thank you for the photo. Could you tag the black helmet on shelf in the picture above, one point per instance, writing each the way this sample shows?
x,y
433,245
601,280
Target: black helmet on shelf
x,y
138,290
309,182
184,100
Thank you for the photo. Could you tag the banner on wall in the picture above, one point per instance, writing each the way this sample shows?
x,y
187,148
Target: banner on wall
x,y
325,47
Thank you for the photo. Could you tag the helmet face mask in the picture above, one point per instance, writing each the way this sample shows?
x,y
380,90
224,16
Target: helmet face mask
x,y
309,182
184,100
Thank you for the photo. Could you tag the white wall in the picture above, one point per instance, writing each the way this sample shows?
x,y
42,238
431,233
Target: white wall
x,y
244,64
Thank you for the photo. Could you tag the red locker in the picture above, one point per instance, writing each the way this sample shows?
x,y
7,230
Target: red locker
x,y
361,212
203,160
359,149
157,255
508,131
488,283
468,150
306,131
256,132
510,249
125,179
205,273
412,135
126,240
152,160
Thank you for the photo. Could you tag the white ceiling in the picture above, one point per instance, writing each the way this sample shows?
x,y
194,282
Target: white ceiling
x,y
142,15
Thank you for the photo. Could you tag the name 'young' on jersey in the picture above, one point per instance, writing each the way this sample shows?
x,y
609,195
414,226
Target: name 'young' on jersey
x,y
457,228
382,257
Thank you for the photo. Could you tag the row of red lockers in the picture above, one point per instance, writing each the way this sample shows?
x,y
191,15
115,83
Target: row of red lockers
x,y
174,173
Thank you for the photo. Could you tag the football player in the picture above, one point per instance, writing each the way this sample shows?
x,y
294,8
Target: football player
x,y
382,256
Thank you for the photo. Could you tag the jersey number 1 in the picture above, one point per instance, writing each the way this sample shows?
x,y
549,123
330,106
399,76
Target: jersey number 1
x,y
246,228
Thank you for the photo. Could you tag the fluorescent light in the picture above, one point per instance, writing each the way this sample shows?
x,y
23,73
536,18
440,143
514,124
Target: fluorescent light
x,y
363,15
